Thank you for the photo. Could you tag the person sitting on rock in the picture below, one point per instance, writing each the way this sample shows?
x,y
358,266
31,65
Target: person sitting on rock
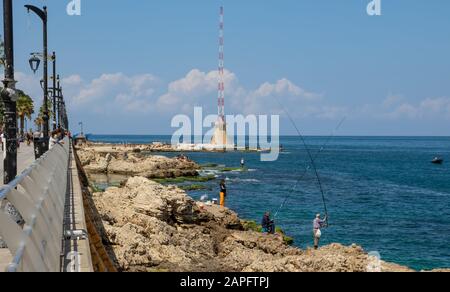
x,y
268,225
182,157
317,225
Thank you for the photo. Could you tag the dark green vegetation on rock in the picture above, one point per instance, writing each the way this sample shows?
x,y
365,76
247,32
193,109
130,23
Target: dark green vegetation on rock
x,y
250,225
209,165
183,179
194,187
229,169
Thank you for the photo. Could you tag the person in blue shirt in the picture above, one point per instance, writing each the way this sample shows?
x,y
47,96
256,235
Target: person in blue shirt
x,y
268,225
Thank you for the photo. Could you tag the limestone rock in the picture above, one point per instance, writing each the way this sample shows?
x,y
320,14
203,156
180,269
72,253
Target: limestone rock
x,y
134,163
158,228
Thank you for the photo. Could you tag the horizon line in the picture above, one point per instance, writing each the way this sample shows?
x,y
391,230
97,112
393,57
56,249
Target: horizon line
x,y
293,135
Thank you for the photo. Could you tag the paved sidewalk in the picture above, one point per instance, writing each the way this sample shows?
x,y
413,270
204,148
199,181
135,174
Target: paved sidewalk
x,y
25,157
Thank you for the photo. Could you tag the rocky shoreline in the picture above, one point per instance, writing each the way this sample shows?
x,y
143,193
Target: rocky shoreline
x,y
150,227
127,161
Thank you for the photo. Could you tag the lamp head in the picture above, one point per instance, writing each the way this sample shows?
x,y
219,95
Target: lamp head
x,y
34,63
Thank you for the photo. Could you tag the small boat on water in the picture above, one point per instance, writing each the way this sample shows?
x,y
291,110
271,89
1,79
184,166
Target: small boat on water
x,y
437,160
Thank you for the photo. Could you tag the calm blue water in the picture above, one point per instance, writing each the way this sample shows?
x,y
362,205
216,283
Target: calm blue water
x,y
382,192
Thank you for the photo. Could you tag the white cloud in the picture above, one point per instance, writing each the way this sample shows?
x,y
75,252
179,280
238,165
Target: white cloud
x,y
396,107
112,91
436,105
145,93
127,94
404,110
199,88
273,98
191,90
72,80
392,99
145,97
427,108
284,87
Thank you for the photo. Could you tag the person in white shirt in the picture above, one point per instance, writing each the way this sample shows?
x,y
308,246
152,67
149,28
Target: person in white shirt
x,y
2,137
55,138
52,141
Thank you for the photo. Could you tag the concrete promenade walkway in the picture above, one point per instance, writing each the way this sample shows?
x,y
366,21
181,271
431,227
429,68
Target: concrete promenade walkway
x,y
25,157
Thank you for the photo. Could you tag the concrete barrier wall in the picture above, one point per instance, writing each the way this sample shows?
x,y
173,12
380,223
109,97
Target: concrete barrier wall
x,y
38,195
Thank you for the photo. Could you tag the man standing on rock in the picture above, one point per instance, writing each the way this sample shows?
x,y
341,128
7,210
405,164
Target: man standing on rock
x,y
223,193
317,225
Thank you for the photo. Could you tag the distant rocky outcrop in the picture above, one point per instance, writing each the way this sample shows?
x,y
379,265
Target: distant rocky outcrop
x,y
151,227
131,162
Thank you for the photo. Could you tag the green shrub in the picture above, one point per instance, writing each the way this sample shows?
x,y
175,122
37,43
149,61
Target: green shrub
x,y
287,239
250,225
95,188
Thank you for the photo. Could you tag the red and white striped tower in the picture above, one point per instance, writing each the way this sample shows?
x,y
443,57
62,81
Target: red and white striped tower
x,y
221,98
220,137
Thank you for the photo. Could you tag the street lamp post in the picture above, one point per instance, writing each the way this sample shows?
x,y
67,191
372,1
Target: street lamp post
x,y
9,96
63,113
54,90
59,93
42,13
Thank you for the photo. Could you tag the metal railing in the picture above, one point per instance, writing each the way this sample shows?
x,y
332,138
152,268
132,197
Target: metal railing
x,y
38,194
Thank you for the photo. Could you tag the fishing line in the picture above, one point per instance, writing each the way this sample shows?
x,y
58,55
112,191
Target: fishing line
x,y
311,158
308,167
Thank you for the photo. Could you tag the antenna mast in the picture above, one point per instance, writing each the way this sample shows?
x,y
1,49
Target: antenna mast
x,y
221,99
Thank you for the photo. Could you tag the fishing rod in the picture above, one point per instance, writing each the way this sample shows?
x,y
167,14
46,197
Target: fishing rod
x,y
311,158
309,167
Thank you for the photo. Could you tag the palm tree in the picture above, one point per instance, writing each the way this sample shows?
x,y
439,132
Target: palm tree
x,y
2,53
25,108
39,121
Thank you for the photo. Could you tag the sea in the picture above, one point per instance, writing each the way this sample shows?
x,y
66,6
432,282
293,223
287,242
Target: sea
x,y
382,193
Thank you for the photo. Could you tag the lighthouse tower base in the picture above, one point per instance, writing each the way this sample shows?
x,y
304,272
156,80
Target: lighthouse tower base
x,y
220,139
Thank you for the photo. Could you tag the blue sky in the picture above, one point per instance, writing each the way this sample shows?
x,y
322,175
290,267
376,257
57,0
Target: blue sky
x,y
130,66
